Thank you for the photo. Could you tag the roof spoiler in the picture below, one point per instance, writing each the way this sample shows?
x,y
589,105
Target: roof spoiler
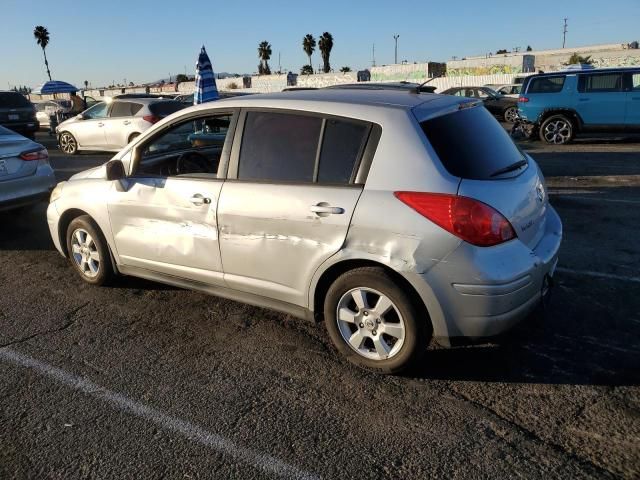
x,y
416,90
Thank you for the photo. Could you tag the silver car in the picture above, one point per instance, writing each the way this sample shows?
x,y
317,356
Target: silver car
x,y
25,174
109,126
391,216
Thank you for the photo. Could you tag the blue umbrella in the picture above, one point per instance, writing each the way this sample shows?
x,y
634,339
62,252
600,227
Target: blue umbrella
x,y
206,89
55,86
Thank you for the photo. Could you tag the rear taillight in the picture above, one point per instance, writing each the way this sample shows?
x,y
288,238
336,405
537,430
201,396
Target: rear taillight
x,y
151,118
41,154
523,99
471,220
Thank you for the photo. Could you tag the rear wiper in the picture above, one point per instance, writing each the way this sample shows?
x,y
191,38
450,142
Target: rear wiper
x,y
510,168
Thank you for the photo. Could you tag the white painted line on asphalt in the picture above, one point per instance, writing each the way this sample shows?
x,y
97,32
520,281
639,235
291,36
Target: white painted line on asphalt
x,y
188,430
589,273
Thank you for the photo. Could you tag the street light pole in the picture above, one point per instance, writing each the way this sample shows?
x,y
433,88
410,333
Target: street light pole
x,y
395,37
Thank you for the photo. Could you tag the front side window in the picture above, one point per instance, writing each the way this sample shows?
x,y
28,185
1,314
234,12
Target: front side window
x,y
546,84
600,83
279,147
193,147
97,111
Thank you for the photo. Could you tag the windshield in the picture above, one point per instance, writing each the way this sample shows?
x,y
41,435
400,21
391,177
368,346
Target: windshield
x,y
13,100
472,144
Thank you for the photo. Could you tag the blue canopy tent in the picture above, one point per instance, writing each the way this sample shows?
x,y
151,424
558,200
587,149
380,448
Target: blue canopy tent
x,y
54,86
206,88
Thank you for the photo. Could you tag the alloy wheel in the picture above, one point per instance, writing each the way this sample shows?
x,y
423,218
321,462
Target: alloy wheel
x,y
557,132
84,252
67,143
511,114
370,323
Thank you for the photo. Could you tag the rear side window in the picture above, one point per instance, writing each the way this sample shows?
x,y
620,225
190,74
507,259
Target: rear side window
x,y
279,147
13,100
342,146
164,109
635,81
471,143
124,109
546,84
600,83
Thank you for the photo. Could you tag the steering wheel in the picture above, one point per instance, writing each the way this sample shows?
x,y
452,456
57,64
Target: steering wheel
x,y
193,162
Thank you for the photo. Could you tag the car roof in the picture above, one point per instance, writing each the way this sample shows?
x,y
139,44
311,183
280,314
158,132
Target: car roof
x,y
591,70
143,100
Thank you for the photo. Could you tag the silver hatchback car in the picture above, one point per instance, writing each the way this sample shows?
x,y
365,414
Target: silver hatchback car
x,y
393,216
109,126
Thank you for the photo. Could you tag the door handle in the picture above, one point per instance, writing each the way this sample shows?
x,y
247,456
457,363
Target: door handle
x,y
100,124
198,199
127,122
324,209
583,99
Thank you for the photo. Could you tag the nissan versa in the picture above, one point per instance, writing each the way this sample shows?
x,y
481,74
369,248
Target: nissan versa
x,y
393,216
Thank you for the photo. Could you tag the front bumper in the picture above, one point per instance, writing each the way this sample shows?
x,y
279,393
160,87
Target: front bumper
x,y
482,292
26,190
53,219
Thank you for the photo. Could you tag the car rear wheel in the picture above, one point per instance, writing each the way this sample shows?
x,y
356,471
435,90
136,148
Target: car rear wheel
x,y
556,130
68,144
373,322
511,114
88,251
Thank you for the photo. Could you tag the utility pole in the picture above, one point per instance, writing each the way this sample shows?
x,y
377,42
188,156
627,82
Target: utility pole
x,y
395,37
374,55
564,32
279,65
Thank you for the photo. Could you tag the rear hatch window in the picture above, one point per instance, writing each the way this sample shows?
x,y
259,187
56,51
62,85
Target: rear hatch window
x,y
164,109
471,144
13,100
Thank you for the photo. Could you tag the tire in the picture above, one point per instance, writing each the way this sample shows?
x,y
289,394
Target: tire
x,y
67,143
386,339
132,137
557,130
89,251
510,114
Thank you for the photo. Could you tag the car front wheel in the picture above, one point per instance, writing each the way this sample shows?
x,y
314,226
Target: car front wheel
x,y
556,130
88,251
68,143
511,114
373,322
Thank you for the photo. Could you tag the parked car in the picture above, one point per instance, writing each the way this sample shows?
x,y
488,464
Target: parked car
x,y
45,109
562,104
18,114
298,201
111,126
512,90
25,174
505,108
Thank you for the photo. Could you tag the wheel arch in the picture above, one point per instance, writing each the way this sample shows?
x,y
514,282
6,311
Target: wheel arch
x,y
319,292
571,113
63,224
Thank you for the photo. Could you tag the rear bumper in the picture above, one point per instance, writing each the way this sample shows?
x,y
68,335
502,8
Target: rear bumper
x,y
483,292
25,190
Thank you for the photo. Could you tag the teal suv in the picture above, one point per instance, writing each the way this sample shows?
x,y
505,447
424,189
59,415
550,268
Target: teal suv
x,y
559,105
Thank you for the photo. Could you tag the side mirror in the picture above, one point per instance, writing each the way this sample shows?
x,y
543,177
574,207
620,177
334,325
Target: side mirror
x,y
115,170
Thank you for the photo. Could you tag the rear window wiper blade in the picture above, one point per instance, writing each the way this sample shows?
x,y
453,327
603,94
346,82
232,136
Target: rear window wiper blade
x,y
510,168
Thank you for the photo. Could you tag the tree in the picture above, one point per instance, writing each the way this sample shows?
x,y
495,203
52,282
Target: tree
x,y
306,70
86,84
325,44
309,46
529,49
345,69
578,59
42,38
500,52
181,77
264,53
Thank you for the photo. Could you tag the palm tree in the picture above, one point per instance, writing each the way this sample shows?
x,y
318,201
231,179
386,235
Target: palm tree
x,y
86,84
325,44
309,46
42,38
264,53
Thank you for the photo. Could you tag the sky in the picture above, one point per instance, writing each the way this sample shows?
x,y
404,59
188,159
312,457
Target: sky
x,y
142,41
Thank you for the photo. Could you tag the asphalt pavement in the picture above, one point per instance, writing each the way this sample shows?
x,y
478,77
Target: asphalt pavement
x,y
141,380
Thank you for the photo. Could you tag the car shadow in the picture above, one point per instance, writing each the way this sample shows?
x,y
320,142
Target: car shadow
x,y
587,163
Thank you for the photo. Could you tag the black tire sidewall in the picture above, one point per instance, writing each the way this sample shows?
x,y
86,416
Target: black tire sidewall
x,y
417,330
105,272
556,117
